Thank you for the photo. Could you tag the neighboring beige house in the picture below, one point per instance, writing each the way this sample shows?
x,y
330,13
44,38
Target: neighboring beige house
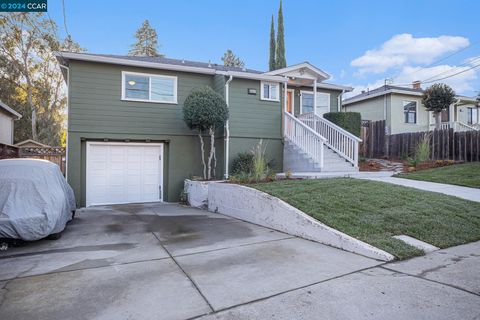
x,y
403,110
7,118
29,143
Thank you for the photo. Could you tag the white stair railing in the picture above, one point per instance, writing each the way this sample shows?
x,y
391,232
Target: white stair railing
x,y
339,140
455,125
305,138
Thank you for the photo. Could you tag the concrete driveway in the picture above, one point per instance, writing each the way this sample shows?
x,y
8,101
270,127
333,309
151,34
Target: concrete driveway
x,y
165,261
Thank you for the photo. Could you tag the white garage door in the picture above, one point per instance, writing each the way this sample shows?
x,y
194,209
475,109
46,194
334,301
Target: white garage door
x,y
124,172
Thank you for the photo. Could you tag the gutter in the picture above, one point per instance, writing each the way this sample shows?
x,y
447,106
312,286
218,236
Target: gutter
x,y
67,80
339,101
227,127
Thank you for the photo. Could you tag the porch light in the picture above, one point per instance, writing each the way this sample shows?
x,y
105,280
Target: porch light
x,y
131,82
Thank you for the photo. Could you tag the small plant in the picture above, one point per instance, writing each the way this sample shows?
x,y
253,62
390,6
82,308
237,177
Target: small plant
x,y
422,151
243,162
288,174
244,177
259,163
183,197
270,175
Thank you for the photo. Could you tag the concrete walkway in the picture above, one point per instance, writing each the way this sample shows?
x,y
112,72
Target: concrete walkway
x,y
472,194
165,261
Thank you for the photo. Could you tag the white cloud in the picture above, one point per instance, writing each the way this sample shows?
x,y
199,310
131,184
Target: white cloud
x,y
404,49
462,82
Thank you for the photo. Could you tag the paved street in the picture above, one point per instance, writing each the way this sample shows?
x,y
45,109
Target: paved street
x,y
166,261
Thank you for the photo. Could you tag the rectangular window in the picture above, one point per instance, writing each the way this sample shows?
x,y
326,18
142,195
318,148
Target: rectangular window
x,y
472,115
149,87
323,102
270,91
410,111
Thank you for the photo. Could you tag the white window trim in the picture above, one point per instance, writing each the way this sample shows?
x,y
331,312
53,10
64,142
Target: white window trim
x,y
262,83
416,112
311,92
150,75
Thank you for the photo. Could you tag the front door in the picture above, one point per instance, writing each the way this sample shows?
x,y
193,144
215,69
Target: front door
x,y
290,97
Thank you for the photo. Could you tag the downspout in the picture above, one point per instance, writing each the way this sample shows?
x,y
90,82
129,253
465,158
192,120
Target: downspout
x,y
227,128
68,118
339,101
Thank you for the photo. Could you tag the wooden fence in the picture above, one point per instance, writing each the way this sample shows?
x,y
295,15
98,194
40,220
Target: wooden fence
x,y
8,151
52,154
444,144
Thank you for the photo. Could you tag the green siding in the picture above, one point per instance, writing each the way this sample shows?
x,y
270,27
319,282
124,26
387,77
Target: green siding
x,y
95,102
96,112
274,149
251,117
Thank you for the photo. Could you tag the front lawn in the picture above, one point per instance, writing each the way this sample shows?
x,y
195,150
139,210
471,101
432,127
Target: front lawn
x,y
374,212
467,174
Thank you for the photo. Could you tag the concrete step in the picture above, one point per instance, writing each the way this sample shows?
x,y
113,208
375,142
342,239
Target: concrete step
x,y
296,160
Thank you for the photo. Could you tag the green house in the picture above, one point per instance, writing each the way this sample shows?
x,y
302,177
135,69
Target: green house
x,y
127,141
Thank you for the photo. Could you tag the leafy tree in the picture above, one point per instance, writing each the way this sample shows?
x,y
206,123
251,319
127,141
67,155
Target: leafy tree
x,y
281,61
30,79
437,98
271,60
147,42
205,110
231,60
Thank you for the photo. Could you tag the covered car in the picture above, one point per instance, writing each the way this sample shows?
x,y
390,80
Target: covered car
x,y
35,199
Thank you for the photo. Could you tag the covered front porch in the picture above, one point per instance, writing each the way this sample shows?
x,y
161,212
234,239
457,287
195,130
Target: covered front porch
x,y
312,142
463,115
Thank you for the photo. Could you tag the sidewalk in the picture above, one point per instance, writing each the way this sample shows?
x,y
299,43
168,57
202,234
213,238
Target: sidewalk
x,y
471,194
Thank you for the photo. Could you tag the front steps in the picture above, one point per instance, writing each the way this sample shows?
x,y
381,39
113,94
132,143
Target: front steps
x,y
295,160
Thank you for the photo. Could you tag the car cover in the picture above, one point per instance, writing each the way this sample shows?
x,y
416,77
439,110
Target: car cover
x,y
35,199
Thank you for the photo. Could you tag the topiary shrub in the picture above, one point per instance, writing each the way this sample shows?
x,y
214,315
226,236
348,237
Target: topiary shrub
x,y
350,121
205,110
243,162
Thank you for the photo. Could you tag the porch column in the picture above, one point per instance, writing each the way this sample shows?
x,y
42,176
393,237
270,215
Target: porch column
x,y
315,105
284,117
453,112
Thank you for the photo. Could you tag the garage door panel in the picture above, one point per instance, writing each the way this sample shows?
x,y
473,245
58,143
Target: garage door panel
x,y
123,173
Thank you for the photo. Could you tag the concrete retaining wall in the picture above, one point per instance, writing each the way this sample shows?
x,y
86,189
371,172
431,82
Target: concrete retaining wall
x,y
254,206
197,193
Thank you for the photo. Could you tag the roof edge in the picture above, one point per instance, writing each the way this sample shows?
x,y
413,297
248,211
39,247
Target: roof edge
x,y
10,110
63,58
379,94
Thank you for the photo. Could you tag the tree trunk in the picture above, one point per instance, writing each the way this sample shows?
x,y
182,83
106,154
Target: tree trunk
x,y
202,151
438,120
214,169
34,124
212,152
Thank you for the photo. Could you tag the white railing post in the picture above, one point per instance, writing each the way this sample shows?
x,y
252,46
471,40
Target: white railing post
x,y
338,139
321,155
355,155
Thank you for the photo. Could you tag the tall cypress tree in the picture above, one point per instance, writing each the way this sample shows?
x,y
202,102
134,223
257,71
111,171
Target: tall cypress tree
x,y
281,61
271,61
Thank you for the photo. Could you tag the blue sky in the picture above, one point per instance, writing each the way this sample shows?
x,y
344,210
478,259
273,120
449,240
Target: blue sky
x,y
360,43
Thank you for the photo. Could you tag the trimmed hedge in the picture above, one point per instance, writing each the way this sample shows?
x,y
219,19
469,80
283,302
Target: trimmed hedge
x,y
350,121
